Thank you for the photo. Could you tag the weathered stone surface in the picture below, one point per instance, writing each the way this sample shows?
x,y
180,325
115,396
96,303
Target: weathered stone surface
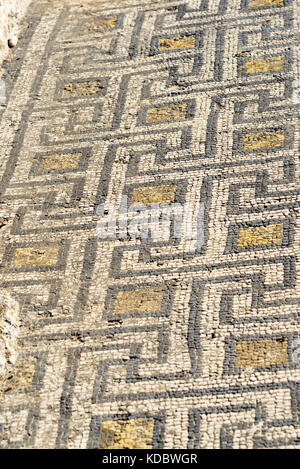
x,y
11,13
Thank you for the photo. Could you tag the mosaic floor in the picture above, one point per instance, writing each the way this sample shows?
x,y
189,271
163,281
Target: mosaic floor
x,y
153,342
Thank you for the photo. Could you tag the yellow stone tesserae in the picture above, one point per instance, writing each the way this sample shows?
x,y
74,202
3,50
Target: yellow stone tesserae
x,y
127,434
43,256
163,194
138,301
260,235
260,353
263,140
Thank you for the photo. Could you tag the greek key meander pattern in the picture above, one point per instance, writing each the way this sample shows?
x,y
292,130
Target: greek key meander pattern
x,y
137,344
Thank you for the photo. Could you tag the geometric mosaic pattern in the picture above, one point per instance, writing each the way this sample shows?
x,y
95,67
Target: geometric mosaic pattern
x,y
127,343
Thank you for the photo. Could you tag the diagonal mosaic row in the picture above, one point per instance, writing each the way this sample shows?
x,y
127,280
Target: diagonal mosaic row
x,y
165,342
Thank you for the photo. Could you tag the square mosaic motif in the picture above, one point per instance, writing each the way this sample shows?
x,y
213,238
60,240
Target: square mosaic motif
x,y
100,24
267,64
61,161
127,434
163,194
263,140
178,42
260,235
84,88
167,112
43,256
264,3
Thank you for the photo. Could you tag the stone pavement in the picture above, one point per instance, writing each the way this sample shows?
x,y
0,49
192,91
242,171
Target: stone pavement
x,y
135,337
11,13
